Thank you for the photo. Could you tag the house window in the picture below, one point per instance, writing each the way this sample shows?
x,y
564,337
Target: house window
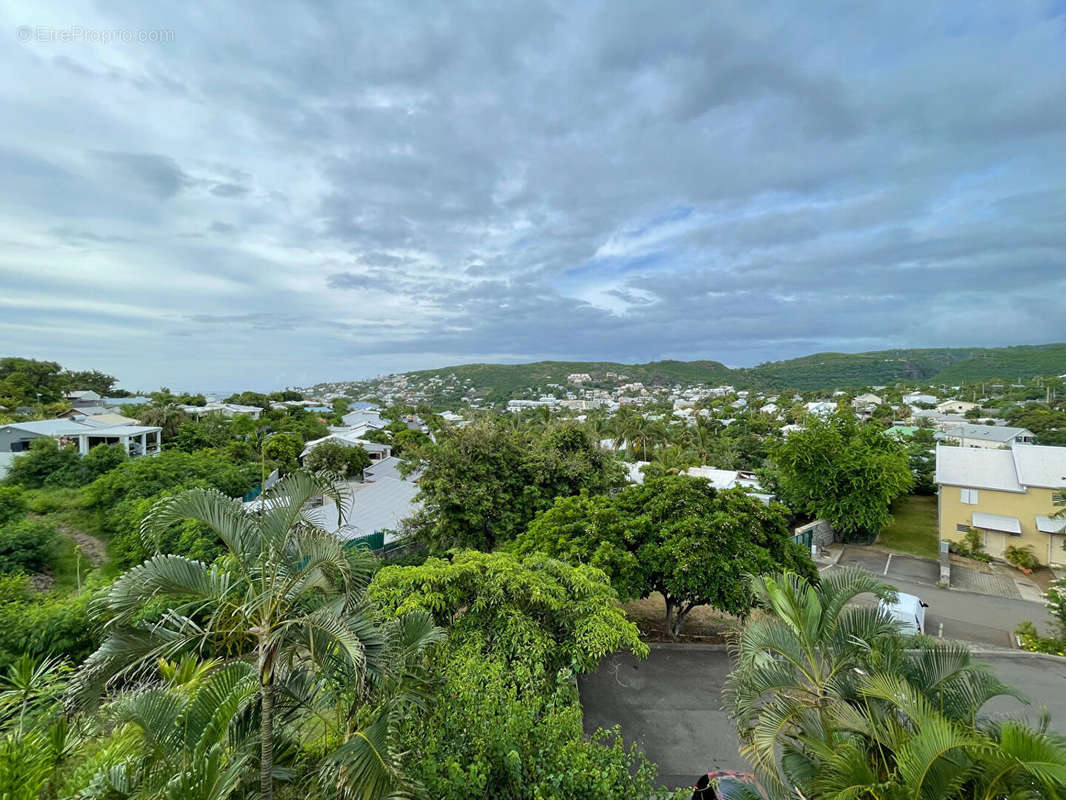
x,y
969,496
962,527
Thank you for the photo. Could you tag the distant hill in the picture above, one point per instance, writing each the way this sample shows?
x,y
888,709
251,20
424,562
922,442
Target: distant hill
x,y
818,371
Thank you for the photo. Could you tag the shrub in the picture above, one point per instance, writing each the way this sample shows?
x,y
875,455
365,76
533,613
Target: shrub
x,y
971,546
1022,557
12,503
42,624
26,547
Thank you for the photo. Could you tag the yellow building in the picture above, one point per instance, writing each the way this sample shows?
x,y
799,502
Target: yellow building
x,y
1005,494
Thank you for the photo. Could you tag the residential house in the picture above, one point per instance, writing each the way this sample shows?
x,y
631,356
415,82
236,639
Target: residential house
x,y
866,401
988,436
731,479
364,416
377,452
919,398
956,407
138,440
1004,494
225,409
821,408
83,397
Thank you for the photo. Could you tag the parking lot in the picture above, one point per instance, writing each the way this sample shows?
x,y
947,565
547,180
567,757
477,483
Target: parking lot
x,y
893,566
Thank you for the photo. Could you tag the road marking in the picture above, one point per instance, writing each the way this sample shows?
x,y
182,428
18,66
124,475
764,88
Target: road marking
x,y
940,633
888,563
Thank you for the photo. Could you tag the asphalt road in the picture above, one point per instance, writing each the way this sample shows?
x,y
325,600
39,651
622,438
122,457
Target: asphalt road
x,y
979,619
671,706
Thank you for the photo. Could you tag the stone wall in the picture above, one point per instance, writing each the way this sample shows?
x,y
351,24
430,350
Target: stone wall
x,y
822,534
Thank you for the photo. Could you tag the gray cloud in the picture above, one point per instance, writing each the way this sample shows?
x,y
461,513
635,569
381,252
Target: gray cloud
x,y
373,188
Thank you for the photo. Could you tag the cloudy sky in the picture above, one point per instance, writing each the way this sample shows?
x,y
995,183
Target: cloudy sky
x,y
258,197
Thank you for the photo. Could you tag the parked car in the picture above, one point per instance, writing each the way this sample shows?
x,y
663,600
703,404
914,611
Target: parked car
x,y
909,611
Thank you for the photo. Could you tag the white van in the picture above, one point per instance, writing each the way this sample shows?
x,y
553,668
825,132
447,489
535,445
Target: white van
x,y
909,611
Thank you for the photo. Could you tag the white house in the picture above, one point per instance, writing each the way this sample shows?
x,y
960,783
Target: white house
x,y
955,407
137,440
989,437
918,398
731,479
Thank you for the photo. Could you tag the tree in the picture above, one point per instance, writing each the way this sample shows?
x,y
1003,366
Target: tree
x,y
675,535
340,459
921,456
483,484
168,417
92,380
831,701
844,471
281,451
509,722
288,599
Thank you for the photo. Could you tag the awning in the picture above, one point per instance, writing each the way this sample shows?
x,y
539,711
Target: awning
x,y
1049,525
997,522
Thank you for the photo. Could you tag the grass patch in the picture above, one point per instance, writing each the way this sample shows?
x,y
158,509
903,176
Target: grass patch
x,y
913,527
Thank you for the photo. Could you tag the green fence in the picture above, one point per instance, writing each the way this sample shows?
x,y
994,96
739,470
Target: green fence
x,y
375,543
806,539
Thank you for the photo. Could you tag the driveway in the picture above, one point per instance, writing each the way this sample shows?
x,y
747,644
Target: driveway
x,y
670,705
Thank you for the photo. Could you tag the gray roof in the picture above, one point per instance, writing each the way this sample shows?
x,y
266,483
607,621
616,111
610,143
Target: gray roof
x,y
378,506
1050,525
1040,465
987,433
67,427
387,468
977,468
997,522
50,427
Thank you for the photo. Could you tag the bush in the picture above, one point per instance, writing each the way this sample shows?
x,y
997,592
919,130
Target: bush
x,y
12,503
1031,640
1022,557
27,547
971,546
332,456
44,460
42,624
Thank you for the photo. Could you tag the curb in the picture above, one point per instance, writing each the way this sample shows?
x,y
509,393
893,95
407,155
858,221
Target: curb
x,y
987,653
685,646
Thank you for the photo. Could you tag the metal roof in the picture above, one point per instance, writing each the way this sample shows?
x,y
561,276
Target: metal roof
x,y
1040,465
977,468
997,522
1050,525
986,433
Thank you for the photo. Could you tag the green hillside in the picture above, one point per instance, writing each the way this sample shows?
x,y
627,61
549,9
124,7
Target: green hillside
x,y
817,371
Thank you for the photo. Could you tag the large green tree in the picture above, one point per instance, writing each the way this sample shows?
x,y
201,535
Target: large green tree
x,y
844,471
341,459
287,598
483,484
675,535
509,722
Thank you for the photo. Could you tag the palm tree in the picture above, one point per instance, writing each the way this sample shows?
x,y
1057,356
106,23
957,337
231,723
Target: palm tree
x,y
1058,499
801,655
830,701
286,599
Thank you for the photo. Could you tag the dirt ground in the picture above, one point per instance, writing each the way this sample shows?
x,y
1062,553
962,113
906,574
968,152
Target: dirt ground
x,y
703,624
92,548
